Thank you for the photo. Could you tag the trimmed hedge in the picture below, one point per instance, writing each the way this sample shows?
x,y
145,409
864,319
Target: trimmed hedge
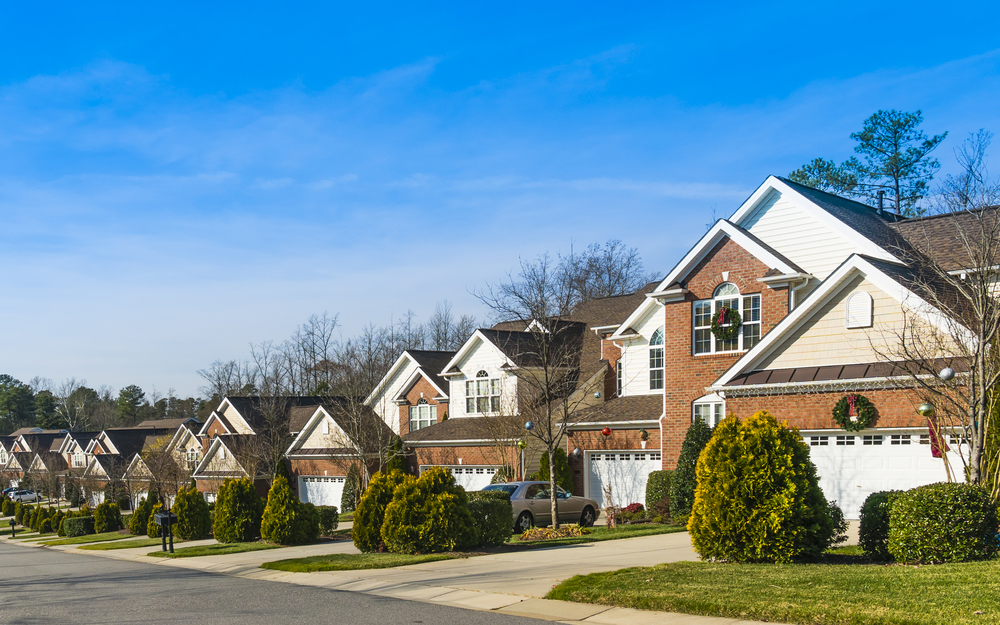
x,y
78,526
943,522
107,518
658,493
873,534
329,519
685,479
429,515
488,495
238,512
758,497
495,519
370,514
191,509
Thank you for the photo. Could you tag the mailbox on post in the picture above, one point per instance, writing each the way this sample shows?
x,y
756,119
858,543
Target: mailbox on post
x,y
166,522
12,524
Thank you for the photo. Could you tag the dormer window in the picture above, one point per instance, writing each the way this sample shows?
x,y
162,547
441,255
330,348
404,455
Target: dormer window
x,y
78,460
482,395
656,360
422,415
727,295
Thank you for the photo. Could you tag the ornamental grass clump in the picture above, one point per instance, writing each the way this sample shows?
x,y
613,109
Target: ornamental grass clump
x,y
943,522
758,498
193,520
429,515
370,513
238,512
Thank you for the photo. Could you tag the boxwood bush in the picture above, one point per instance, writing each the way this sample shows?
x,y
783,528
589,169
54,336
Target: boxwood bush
x,y
758,497
943,522
658,493
873,533
370,513
429,515
329,519
493,514
107,518
78,526
238,512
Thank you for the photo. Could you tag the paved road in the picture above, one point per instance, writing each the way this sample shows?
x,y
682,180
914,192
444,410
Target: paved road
x,y
49,586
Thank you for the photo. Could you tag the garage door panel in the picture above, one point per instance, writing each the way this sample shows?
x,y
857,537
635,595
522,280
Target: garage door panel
x,y
469,477
321,490
625,472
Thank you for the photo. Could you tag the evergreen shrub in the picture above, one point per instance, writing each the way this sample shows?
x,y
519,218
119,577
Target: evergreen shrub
x,y
564,474
658,493
238,512
74,494
397,457
19,513
873,534
78,526
370,514
192,515
45,527
286,521
494,516
152,527
307,524
329,519
429,515
685,479
758,497
8,507
107,518
488,495
943,522
137,522
352,490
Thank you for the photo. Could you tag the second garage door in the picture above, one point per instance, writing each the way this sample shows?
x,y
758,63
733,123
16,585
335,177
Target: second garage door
x,y
470,477
321,490
624,471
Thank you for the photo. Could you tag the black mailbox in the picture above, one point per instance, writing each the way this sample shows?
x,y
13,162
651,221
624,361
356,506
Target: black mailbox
x,y
166,520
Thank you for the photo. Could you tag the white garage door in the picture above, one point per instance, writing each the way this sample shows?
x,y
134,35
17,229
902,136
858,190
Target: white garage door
x,y
470,477
321,490
853,465
624,471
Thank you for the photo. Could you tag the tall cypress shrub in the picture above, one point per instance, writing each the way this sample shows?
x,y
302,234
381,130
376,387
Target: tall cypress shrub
x,y
352,490
238,512
193,519
368,518
685,478
564,474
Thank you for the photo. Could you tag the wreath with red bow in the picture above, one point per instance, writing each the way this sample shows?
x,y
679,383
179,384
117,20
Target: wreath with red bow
x,y
854,413
730,316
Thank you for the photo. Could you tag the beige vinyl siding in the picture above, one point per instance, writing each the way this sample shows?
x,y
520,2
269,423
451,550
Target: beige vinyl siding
x,y
383,403
482,357
318,440
635,355
825,339
227,464
233,416
798,236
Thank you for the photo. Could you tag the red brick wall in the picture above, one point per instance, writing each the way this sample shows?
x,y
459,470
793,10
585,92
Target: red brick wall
x,y
422,388
896,408
216,428
320,466
593,439
687,375
450,455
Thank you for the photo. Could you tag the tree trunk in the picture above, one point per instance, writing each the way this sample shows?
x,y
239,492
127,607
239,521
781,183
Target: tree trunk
x,y
552,489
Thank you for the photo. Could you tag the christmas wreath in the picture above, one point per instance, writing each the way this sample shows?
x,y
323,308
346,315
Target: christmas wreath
x,y
726,315
854,413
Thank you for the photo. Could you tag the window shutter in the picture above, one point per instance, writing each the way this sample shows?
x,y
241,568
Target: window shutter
x,y
859,310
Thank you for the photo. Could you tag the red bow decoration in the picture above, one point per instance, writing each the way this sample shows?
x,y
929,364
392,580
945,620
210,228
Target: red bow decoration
x,y
722,316
851,410
938,444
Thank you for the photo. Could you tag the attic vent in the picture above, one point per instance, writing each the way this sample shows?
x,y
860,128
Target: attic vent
x,y
859,310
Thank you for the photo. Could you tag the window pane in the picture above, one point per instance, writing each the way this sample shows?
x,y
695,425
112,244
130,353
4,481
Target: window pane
x,y
751,309
470,388
702,314
656,379
751,335
495,387
702,341
494,404
656,358
482,404
414,412
483,387
470,405
727,346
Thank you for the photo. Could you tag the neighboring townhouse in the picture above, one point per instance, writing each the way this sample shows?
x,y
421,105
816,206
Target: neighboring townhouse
x,y
820,283
338,434
112,452
413,394
29,443
6,473
165,462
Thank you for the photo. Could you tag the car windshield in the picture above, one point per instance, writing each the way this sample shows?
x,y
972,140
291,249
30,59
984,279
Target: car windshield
x,y
508,488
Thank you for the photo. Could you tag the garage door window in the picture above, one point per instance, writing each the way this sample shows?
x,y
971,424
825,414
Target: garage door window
x,y
900,439
872,440
817,441
845,440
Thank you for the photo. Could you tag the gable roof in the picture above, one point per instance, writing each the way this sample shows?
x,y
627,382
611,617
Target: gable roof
x,y
343,412
432,363
465,430
129,441
219,442
169,423
251,409
946,239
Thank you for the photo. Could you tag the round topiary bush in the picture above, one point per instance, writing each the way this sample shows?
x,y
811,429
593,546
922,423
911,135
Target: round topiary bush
x,y
873,533
370,514
685,479
238,512
943,522
192,515
107,518
152,527
758,498
429,515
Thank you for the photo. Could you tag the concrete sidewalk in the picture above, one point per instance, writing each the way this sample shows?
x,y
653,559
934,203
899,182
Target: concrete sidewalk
x,y
512,583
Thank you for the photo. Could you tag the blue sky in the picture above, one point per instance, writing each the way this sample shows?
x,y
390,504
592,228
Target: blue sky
x,y
176,181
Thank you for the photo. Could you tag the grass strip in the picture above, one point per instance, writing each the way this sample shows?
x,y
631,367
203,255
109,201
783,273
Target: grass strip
x,y
88,538
352,562
213,550
124,544
818,594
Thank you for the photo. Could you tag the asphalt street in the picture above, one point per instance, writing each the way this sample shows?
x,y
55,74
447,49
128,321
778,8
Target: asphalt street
x,y
54,587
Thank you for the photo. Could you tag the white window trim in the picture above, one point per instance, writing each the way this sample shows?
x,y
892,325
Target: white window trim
x,y
661,369
493,392
422,421
717,410
741,298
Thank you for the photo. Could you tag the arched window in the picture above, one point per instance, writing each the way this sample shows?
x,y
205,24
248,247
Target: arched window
x,y
482,395
726,295
422,415
656,360
482,374
710,409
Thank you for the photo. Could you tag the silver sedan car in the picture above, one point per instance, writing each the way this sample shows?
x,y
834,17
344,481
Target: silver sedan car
x,y
532,507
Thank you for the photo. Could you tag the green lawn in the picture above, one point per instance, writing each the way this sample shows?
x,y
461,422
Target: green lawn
x,y
601,534
213,550
352,562
801,593
89,538
124,544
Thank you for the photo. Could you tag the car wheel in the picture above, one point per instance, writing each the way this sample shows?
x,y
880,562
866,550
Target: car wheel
x,y
523,523
588,517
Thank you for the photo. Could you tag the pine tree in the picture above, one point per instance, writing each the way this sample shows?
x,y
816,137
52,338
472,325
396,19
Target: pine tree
x,y
352,485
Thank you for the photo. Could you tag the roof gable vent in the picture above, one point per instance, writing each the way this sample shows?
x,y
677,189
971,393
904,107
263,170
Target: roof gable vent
x,y
859,310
